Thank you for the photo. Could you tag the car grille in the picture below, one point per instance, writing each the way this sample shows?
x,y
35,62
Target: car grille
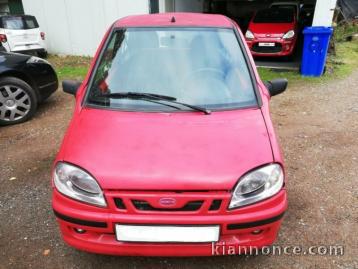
x,y
145,206
277,48
189,202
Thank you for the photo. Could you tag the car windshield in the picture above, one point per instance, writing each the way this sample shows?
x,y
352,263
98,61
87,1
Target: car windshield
x,y
19,22
198,66
274,15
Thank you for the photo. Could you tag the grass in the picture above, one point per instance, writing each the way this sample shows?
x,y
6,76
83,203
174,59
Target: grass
x,y
70,67
339,65
345,30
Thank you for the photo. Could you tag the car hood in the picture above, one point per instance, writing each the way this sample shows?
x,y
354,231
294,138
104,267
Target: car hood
x,y
167,151
271,28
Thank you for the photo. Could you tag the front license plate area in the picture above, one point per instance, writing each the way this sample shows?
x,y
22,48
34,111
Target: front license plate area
x,y
167,233
266,44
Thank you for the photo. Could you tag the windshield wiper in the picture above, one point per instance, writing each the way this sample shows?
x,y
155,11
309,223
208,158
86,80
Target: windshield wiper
x,y
152,97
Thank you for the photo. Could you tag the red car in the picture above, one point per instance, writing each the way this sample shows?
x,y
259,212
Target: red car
x,y
273,32
171,150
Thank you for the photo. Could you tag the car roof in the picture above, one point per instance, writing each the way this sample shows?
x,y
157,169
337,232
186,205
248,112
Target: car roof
x,y
180,19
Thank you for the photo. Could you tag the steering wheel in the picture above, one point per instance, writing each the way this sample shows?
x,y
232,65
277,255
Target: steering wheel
x,y
217,72
216,78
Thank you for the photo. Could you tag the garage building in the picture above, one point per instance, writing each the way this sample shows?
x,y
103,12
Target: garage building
x,y
76,27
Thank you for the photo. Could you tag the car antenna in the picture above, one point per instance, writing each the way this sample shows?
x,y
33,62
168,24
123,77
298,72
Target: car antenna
x,y
173,19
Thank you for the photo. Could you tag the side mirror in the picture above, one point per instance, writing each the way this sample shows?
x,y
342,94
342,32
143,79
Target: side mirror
x,y
71,86
276,86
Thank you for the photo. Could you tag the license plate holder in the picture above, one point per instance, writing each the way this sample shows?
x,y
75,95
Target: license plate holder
x,y
167,233
266,44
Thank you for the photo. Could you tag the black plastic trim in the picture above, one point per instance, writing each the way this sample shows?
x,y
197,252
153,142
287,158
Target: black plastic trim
x,y
119,203
215,205
247,225
80,221
145,206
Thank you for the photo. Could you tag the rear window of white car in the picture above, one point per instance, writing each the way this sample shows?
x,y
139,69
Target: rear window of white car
x,y
19,22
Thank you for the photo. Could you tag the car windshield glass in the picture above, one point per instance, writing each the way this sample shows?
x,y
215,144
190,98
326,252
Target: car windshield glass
x,y
274,15
198,66
19,22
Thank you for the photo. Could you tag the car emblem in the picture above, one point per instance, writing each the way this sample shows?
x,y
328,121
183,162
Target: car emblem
x,y
167,201
268,35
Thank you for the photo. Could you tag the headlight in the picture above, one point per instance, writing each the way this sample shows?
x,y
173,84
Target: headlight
x,y
257,185
249,35
78,184
35,60
289,35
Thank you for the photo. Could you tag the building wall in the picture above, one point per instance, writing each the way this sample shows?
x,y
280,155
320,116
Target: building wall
x,y
76,27
324,11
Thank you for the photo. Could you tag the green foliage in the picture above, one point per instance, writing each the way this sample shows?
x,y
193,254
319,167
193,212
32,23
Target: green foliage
x,y
344,30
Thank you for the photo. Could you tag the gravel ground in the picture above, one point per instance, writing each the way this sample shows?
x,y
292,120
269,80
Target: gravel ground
x,y
318,130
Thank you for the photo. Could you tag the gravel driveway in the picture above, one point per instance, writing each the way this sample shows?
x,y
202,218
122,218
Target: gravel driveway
x,y
318,130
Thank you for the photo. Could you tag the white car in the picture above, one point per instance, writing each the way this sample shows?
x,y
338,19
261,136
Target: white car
x,y
288,4
21,33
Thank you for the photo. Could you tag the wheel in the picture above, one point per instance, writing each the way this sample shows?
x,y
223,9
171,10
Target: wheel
x,y
42,54
18,102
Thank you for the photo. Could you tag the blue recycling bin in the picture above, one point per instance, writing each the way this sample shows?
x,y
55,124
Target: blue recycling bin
x,y
315,48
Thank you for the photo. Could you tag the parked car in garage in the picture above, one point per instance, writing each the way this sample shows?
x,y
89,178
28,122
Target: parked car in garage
x,y
273,32
25,82
171,148
21,33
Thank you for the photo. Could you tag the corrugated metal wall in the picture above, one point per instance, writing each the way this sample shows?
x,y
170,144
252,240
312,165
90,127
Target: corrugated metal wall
x,y
76,27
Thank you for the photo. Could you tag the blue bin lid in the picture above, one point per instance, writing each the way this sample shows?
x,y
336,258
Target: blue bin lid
x,y
318,30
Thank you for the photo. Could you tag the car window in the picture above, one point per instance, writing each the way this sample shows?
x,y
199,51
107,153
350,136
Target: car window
x,y
274,15
19,22
13,23
199,66
31,22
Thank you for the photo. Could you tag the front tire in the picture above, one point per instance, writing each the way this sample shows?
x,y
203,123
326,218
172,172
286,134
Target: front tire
x,y
18,101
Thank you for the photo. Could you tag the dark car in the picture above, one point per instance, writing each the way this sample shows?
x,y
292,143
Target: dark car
x,y
25,81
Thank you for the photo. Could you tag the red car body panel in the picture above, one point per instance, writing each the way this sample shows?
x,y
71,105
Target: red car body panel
x,y
272,33
275,29
137,155
102,240
154,153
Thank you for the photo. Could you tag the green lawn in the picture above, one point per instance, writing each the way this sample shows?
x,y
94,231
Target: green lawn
x,y
70,67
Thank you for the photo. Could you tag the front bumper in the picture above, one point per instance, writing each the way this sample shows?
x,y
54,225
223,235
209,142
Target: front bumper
x,y
282,47
256,225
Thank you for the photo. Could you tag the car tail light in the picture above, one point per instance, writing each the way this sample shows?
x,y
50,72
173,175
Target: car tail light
x,y
3,38
42,34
